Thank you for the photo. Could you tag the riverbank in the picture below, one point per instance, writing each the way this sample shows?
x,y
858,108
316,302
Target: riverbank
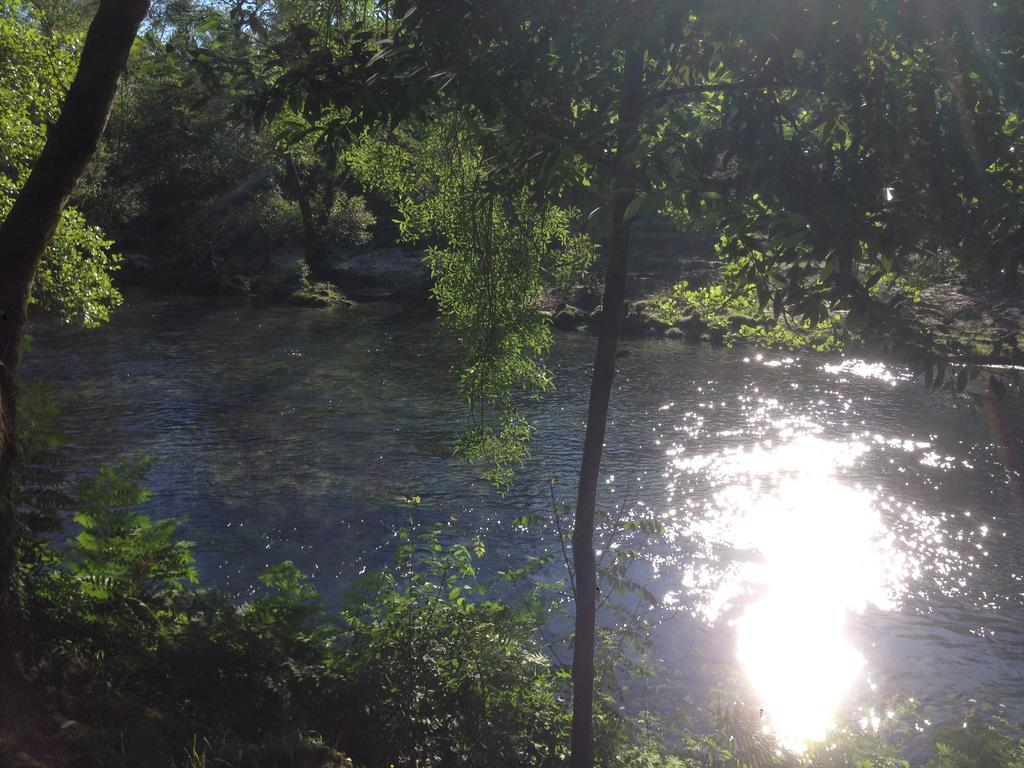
x,y
668,295
379,273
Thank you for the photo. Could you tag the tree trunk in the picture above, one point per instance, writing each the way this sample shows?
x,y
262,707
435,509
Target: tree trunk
x,y
313,245
846,277
27,230
584,561
1011,280
10,625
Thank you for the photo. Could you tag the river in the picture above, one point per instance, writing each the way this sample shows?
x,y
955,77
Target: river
x,y
834,533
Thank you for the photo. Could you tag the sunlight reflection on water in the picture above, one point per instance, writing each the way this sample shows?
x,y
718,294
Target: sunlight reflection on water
x,y
816,549
800,523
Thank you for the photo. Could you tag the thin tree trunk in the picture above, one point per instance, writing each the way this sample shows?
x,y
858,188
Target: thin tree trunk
x,y
847,279
27,230
584,561
10,625
1011,280
312,243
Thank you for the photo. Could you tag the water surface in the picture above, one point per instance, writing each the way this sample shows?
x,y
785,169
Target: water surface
x,y
834,533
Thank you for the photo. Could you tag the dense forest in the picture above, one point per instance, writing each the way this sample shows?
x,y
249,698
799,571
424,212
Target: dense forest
x,y
678,194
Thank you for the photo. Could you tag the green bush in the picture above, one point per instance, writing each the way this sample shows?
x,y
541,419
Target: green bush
x,y
350,221
420,668
977,743
739,317
452,678
423,666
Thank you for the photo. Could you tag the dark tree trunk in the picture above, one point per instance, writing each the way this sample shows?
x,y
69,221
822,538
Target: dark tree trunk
x,y
846,277
584,561
1011,280
313,245
9,603
27,230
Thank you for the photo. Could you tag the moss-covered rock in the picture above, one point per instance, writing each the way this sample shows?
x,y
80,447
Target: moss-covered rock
x,y
656,326
644,318
587,297
633,321
737,321
569,318
382,273
319,295
692,327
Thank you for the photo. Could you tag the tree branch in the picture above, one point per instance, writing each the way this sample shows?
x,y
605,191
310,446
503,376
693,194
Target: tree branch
x,y
689,90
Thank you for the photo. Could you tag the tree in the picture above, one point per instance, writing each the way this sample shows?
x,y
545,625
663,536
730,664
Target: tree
x,y
887,144
492,253
181,175
662,104
564,90
74,278
246,177
674,105
580,95
30,225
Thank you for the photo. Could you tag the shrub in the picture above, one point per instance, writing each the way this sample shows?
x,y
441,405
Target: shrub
x,y
424,666
448,676
421,667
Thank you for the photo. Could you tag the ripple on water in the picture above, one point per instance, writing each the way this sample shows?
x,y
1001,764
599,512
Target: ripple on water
x,y
835,534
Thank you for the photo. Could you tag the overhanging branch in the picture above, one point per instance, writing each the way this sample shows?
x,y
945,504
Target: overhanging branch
x,y
690,90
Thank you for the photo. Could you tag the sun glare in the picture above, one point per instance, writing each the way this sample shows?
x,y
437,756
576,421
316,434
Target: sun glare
x,y
821,545
816,551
